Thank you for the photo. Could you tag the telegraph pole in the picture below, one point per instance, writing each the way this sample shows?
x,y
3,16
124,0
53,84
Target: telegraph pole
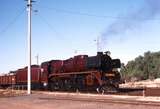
x,y
98,49
97,43
29,7
37,57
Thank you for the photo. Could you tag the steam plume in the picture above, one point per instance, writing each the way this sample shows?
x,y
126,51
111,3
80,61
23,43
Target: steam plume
x,y
130,21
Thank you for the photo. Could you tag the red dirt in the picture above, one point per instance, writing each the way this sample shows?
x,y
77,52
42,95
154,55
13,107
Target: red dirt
x,y
34,102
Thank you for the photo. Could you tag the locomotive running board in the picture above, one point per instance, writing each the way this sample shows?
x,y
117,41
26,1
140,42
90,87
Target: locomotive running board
x,y
95,73
72,73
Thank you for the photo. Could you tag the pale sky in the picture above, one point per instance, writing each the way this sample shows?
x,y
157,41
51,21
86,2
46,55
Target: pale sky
x,y
127,28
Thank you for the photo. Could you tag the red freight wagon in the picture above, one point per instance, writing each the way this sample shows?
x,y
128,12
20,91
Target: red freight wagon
x,y
7,80
11,79
4,79
21,76
35,76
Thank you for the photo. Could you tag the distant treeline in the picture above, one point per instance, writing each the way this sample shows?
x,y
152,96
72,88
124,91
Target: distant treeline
x,y
143,67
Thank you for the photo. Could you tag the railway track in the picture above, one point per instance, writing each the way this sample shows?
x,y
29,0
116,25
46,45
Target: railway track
x,y
119,98
101,99
121,91
123,97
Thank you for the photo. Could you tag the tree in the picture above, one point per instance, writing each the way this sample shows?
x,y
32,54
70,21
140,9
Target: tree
x,y
143,67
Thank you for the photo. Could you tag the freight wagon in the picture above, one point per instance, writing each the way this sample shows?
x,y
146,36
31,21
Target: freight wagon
x,y
7,80
36,77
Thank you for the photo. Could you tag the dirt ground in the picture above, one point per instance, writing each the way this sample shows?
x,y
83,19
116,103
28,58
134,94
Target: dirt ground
x,y
11,93
35,101
145,83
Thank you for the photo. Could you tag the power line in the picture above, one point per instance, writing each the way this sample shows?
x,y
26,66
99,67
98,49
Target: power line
x,y
92,15
12,21
78,13
48,24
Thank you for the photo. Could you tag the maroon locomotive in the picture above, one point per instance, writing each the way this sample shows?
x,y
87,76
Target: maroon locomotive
x,y
81,72
84,72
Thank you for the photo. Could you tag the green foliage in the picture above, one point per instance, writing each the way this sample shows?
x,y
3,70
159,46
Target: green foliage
x,y
143,67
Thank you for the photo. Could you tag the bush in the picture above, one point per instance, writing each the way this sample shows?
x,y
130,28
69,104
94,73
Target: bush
x,y
143,67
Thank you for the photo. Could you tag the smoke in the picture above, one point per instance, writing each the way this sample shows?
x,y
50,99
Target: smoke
x,y
130,21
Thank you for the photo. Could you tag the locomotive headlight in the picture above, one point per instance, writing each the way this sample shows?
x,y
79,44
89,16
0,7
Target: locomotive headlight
x,y
109,74
42,70
45,84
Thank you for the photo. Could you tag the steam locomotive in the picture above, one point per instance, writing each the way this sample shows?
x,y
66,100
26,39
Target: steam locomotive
x,y
81,72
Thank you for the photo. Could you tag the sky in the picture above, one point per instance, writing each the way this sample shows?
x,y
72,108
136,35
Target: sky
x,y
64,28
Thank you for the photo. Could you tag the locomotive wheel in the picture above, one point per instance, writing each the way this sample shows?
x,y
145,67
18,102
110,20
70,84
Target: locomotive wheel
x,y
54,87
108,89
67,85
